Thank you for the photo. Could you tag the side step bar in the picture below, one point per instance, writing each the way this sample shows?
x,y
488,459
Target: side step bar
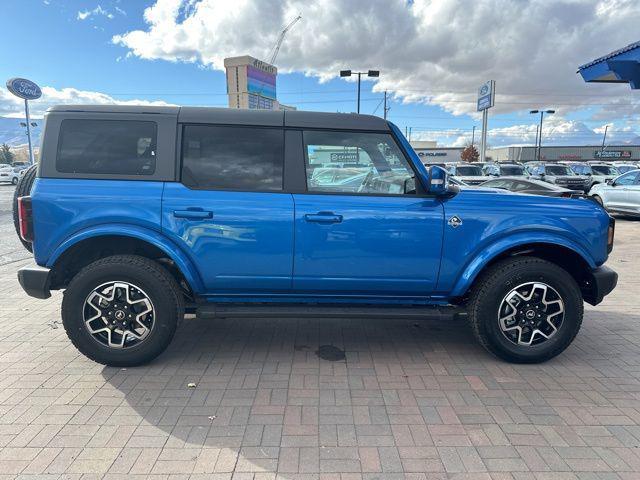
x,y
325,311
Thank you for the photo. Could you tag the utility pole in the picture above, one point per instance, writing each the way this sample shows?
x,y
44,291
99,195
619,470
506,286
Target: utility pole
x,y
604,137
473,135
409,134
384,108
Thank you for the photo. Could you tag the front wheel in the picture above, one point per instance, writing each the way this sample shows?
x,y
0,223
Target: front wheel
x,y
526,310
122,310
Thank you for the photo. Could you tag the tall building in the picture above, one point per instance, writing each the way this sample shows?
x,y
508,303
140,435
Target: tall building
x,y
251,83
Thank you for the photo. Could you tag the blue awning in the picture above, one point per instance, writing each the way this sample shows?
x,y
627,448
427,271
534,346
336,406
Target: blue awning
x,y
621,66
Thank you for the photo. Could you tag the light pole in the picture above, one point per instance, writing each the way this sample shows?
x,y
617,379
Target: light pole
x,y
541,112
473,135
370,73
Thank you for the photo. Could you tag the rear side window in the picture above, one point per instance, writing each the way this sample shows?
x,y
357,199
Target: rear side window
x,y
118,147
232,158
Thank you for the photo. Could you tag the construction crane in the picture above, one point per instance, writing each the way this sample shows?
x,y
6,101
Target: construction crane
x,y
276,48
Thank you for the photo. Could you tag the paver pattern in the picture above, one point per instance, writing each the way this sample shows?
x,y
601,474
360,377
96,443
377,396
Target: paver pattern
x,y
416,400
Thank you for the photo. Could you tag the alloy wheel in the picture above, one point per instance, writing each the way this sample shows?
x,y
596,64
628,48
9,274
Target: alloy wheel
x,y
118,314
531,313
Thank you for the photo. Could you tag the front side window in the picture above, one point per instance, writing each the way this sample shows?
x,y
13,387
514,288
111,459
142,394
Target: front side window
x,y
232,158
117,147
627,179
354,162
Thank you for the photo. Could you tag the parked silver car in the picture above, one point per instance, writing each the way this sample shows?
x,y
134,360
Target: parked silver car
x,y
620,195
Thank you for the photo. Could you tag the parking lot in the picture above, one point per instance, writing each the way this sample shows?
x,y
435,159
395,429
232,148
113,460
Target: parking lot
x,y
271,398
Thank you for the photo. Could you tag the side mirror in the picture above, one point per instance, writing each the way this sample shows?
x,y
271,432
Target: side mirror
x,y
609,181
409,185
439,182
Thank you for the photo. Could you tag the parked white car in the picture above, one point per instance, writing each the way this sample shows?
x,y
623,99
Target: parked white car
x,y
470,174
10,174
602,172
620,195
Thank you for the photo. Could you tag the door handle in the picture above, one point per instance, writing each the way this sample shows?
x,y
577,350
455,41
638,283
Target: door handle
x,y
193,214
323,217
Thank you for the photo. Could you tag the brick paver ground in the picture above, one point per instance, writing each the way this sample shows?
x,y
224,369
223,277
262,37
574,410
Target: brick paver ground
x,y
411,400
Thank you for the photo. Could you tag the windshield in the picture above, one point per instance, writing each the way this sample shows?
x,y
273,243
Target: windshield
x,y
557,170
604,170
626,168
469,171
512,170
581,169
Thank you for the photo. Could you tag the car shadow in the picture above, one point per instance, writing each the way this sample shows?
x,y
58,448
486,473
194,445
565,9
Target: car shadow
x,y
246,388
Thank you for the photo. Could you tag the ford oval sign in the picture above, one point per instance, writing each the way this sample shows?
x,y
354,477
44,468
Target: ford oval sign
x,y
23,88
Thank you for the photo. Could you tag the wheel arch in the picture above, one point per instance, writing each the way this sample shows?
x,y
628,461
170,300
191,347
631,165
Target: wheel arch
x,y
562,252
89,245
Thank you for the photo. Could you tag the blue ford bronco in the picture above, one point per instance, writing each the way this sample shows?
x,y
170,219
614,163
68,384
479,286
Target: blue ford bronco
x,y
143,214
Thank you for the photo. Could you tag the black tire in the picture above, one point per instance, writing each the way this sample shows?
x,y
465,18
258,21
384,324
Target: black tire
x,y
598,200
14,181
493,286
23,188
159,286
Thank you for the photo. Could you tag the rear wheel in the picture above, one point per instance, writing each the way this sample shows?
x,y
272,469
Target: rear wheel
x,y
122,310
598,200
23,188
526,310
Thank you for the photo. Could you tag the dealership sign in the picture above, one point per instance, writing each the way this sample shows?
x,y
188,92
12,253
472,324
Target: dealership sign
x,y
486,95
612,153
432,154
344,157
23,88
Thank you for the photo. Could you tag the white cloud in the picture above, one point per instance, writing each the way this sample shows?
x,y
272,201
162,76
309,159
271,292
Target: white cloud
x,y
98,11
556,131
436,52
12,106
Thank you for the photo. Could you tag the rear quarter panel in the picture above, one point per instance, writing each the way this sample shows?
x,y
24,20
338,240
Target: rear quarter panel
x,y
495,221
65,207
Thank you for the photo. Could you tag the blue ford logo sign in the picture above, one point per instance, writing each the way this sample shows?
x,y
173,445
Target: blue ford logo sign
x,y
484,89
23,88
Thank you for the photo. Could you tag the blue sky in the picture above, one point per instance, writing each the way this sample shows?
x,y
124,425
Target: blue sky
x,y
70,44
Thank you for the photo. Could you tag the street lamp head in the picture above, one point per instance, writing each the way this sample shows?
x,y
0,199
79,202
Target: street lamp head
x,y
23,124
345,73
34,124
550,111
534,111
373,73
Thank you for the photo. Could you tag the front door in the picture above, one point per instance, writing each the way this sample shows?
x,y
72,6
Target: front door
x,y
618,192
229,213
361,229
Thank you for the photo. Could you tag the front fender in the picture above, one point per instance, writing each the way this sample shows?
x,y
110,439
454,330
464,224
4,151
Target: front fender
x,y
150,236
487,252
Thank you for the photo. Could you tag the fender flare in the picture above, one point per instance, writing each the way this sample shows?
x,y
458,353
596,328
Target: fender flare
x,y
485,254
182,261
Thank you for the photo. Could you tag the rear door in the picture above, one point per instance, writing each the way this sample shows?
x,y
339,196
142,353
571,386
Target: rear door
x,y
369,238
229,211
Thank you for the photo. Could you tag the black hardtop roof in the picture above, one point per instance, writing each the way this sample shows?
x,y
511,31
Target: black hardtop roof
x,y
232,116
